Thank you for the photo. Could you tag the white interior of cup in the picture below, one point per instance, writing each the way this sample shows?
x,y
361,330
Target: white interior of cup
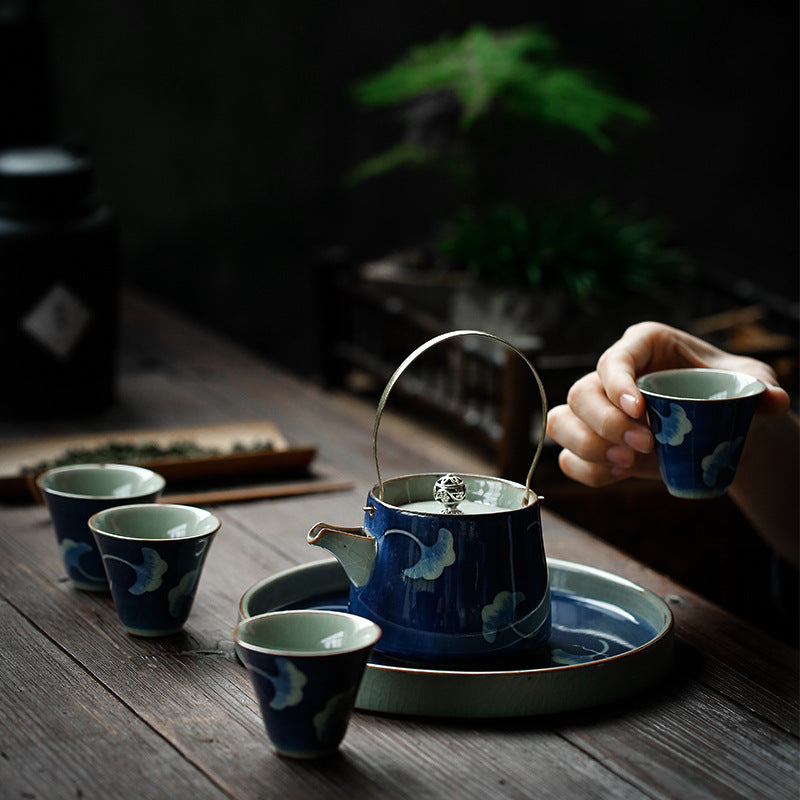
x,y
306,632
154,521
101,481
699,384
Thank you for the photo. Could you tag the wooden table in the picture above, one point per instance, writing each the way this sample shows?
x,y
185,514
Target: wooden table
x,y
88,711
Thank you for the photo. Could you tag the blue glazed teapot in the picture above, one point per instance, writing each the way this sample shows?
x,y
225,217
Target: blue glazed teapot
x,y
452,568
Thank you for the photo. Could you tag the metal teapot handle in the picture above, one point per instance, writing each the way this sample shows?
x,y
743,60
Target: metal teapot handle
x,y
426,346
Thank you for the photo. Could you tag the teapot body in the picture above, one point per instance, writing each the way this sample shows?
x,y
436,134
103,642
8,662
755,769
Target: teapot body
x,y
464,586
451,568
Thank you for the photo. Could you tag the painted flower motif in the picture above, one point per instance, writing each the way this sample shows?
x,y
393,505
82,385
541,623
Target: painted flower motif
x,y
331,723
499,614
71,552
288,683
182,592
148,574
583,654
723,458
433,558
674,427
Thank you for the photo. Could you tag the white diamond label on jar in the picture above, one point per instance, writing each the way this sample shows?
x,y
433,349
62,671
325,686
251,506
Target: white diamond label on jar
x,y
57,321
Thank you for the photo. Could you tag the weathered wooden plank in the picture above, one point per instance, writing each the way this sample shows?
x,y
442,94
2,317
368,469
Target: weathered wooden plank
x,y
191,690
706,746
733,658
730,709
94,747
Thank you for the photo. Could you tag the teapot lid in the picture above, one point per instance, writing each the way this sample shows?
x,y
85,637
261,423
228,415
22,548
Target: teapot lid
x,y
430,493
450,492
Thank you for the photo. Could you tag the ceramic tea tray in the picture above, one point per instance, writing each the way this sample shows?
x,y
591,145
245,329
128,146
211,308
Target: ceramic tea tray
x,y
610,639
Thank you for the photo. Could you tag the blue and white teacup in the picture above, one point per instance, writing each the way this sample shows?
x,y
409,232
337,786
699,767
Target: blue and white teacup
x,y
700,419
306,667
153,554
73,493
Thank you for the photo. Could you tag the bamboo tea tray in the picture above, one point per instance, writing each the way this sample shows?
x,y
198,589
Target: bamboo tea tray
x,y
239,449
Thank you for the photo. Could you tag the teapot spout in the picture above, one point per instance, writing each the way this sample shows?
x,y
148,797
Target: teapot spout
x,y
354,548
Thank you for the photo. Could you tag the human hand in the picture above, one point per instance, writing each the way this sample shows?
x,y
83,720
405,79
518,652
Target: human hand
x,y
603,429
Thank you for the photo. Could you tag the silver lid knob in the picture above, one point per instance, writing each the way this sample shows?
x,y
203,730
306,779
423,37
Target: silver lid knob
x,y
450,490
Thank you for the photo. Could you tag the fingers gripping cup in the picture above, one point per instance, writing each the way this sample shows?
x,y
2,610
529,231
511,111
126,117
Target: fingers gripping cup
x,y
700,419
72,494
153,554
306,667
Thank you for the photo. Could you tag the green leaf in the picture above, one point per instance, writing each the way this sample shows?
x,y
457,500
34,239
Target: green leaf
x,y
475,66
585,250
568,98
516,68
403,154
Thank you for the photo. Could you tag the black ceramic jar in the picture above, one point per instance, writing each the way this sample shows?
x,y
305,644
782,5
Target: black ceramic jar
x,y
59,259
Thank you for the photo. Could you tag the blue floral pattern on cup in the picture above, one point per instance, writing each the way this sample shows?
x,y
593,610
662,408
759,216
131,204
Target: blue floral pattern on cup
x,y
149,571
73,554
722,462
74,493
674,426
699,419
718,466
154,564
149,578
182,595
306,667
287,683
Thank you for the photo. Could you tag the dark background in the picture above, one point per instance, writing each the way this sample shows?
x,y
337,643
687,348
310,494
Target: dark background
x,y
222,132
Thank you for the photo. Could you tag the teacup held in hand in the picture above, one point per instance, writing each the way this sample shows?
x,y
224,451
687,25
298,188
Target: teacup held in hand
x,y
700,419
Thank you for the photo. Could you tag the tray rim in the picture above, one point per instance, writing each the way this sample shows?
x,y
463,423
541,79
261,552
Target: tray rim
x,y
566,687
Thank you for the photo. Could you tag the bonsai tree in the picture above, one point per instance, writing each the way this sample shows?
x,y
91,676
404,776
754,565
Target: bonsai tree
x,y
453,93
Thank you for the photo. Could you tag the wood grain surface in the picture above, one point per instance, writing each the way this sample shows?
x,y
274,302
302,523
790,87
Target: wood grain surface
x,y
89,711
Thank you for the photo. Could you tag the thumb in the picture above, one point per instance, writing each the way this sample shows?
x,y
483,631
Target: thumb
x,y
774,402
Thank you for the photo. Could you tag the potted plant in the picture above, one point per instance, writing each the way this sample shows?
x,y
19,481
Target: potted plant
x,y
464,100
